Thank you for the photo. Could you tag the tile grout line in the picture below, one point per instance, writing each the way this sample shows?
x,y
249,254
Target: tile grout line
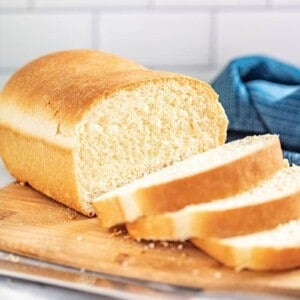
x,y
149,9
31,4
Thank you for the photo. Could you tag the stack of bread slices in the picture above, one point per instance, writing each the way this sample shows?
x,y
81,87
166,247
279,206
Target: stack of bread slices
x,y
239,202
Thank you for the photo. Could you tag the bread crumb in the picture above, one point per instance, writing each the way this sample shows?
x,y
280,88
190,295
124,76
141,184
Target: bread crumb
x,y
117,231
71,214
165,244
13,258
195,272
122,259
180,247
124,263
151,245
218,275
79,238
22,183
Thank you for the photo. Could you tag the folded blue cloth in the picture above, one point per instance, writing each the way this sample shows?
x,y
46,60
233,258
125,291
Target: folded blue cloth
x,y
261,95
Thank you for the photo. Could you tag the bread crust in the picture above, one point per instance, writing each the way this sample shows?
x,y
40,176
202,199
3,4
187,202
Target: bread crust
x,y
218,223
50,166
255,258
63,87
43,102
220,182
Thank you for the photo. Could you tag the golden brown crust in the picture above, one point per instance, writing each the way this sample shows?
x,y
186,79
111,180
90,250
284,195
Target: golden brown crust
x,y
156,227
221,252
220,182
116,214
274,258
219,223
63,86
256,258
50,166
64,83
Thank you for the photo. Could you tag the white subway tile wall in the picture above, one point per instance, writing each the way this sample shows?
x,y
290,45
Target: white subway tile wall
x,y
157,38
25,36
14,4
272,33
195,37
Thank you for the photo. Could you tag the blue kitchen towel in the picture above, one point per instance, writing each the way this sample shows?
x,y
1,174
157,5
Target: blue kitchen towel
x,y
260,95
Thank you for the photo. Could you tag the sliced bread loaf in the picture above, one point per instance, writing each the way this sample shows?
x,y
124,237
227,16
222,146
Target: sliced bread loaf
x,y
220,172
76,124
275,249
272,202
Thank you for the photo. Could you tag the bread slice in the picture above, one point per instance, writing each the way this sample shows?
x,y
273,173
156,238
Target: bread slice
x,y
272,202
219,172
275,249
77,124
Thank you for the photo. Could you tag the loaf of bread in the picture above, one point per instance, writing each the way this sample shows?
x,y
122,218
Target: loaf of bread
x,y
266,205
217,173
77,124
275,249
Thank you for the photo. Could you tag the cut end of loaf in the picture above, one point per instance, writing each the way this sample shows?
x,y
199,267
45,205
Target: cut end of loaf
x,y
140,130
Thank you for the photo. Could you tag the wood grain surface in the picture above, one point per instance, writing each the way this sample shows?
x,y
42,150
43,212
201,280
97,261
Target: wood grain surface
x,y
35,226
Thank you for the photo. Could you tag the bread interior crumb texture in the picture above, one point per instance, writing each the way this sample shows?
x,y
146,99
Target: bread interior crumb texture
x,y
134,132
287,234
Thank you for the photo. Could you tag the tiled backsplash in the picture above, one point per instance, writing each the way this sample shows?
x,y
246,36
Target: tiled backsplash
x,y
196,37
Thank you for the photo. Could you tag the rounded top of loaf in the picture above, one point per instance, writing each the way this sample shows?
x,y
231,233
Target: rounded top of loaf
x,y
63,86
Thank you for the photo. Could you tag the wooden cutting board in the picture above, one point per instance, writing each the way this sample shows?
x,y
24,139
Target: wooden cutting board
x,y
35,226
